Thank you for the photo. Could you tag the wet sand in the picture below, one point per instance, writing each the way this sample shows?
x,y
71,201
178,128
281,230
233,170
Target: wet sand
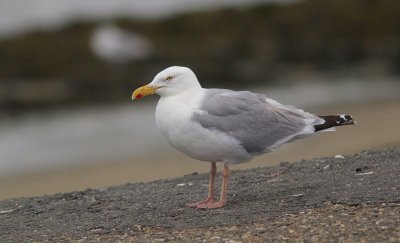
x,y
377,127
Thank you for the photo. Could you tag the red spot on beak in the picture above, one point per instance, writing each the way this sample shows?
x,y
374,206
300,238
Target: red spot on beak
x,y
139,96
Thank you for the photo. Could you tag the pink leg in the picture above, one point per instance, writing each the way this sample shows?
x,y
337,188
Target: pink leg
x,y
223,199
210,198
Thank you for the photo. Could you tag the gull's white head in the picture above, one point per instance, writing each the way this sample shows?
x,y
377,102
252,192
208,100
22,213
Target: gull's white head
x,y
171,81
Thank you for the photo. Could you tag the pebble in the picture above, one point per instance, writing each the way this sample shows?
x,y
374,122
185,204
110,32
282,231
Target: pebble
x,y
339,156
215,238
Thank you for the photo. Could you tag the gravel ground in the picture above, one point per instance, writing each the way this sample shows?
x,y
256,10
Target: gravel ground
x,y
356,198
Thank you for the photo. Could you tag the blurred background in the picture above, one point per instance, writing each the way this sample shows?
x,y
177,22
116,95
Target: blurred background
x,y
68,68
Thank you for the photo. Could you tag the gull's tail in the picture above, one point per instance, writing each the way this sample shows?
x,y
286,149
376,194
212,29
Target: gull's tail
x,y
334,121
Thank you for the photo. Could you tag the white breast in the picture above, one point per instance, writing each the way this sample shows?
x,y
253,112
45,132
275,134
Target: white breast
x,y
174,119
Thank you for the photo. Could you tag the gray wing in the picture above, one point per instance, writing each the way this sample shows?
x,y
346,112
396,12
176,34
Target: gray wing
x,y
259,123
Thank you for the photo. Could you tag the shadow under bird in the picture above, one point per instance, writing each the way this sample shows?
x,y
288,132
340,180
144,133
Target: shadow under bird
x,y
221,125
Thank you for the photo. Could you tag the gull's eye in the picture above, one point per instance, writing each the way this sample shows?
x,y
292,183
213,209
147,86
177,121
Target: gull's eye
x,y
169,78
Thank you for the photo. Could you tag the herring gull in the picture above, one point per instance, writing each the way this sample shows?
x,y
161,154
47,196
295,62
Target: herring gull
x,y
221,125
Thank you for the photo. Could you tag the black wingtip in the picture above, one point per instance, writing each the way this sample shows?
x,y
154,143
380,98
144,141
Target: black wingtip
x,y
334,121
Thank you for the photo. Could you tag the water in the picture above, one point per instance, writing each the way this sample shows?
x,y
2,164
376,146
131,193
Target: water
x,y
68,138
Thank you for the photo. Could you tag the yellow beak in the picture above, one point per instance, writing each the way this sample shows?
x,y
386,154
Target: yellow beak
x,y
143,91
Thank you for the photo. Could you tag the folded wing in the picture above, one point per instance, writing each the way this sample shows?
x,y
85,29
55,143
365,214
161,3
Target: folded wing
x,y
258,123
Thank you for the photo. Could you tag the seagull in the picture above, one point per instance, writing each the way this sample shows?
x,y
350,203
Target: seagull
x,y
225,126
